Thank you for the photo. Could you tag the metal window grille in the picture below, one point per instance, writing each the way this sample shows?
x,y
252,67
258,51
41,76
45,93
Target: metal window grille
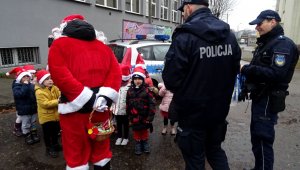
x,y
7,58
19,56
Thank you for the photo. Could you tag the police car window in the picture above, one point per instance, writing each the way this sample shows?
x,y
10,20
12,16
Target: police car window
x,y
118,51
160,52
146,52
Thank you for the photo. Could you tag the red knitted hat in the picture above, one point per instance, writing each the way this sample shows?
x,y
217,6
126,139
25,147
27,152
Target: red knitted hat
x,y
138,71
29,68
125,72
41,75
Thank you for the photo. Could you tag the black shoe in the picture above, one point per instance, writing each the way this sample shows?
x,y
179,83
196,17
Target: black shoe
x,y
51,152
28,139
105,167
138,148
35,137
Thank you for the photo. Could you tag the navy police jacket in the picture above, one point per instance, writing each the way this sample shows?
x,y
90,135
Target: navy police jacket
x,y
200,68
273,62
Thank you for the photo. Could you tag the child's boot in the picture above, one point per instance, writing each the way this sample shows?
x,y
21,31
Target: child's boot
x,y
17,129
28,139
146,146
164,131
138,148
35,136
173,131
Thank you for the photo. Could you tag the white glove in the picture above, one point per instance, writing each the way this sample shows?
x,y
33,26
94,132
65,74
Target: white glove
x,y
100,104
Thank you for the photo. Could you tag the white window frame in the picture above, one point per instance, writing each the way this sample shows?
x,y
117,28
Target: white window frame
x,y
131,6
174,11
164,9
105,4
153,7
27,53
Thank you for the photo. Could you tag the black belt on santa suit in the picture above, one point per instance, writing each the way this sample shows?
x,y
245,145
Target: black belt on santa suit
x,y
88,107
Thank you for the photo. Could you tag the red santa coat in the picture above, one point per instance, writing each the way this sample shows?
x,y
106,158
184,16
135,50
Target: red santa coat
x,y
77,65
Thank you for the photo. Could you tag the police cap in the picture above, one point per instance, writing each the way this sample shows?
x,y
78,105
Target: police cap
x,y
200,2
266,14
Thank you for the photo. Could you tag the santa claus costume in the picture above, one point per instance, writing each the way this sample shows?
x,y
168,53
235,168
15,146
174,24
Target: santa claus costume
x,y
88,75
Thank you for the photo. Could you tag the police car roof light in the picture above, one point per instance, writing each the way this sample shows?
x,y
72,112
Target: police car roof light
x,y
162,37
140,37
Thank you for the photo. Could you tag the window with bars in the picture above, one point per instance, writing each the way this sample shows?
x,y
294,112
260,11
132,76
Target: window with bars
x,y
108,3
132,6
164,10
19,56
153,8
174,11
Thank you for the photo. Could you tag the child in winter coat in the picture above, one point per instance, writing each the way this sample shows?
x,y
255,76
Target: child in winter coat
x,y
47,96
140,106
120,108
25,100
164,108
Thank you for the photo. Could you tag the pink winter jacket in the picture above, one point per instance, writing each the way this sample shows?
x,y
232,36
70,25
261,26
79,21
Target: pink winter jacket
x,y
167,98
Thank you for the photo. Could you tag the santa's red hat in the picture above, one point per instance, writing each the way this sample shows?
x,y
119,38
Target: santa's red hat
x,y
139,72
42,75
19,73
29,68
72,17
125,72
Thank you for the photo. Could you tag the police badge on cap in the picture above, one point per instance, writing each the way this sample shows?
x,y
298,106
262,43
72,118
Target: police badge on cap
x,y
279,60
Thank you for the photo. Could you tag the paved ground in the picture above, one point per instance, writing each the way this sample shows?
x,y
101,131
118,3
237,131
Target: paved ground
x,y
14,154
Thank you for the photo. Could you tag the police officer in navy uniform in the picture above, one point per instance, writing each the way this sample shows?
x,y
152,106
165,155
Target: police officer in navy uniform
x,y
267,78
200,69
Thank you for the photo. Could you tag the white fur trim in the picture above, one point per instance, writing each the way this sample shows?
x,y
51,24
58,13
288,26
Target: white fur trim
x,y
125,78
31,71
43,78
109,92
21,75
138,73
77,103
141,65
7,73
82,167
102,162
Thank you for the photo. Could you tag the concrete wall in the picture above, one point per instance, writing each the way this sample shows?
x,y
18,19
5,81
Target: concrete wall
x,y
289,10
27,23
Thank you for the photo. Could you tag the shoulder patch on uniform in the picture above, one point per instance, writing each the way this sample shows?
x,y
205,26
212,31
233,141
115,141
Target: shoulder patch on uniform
x,y
279,60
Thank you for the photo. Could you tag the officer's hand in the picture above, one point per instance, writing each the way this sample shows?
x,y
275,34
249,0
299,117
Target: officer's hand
x,y
100,104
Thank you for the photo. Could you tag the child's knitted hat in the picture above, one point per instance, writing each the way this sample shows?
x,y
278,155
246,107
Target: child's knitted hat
x,y
138,72
29,68
19,73
41,75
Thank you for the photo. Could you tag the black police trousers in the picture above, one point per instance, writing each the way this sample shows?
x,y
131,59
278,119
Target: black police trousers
x,y
196,144
262,133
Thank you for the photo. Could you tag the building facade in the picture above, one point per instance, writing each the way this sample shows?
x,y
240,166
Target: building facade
x,y
289,10
26,24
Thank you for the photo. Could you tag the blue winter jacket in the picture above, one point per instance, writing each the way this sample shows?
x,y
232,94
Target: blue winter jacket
x,y
200,69
25,100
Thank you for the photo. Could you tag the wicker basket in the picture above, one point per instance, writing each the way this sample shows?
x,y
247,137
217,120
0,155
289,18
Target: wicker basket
x,y
101,130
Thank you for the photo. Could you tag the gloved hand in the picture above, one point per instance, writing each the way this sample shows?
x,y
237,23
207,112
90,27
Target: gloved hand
x,y
100,104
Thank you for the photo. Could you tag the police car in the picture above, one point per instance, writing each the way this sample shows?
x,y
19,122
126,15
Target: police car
x,y
151,52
